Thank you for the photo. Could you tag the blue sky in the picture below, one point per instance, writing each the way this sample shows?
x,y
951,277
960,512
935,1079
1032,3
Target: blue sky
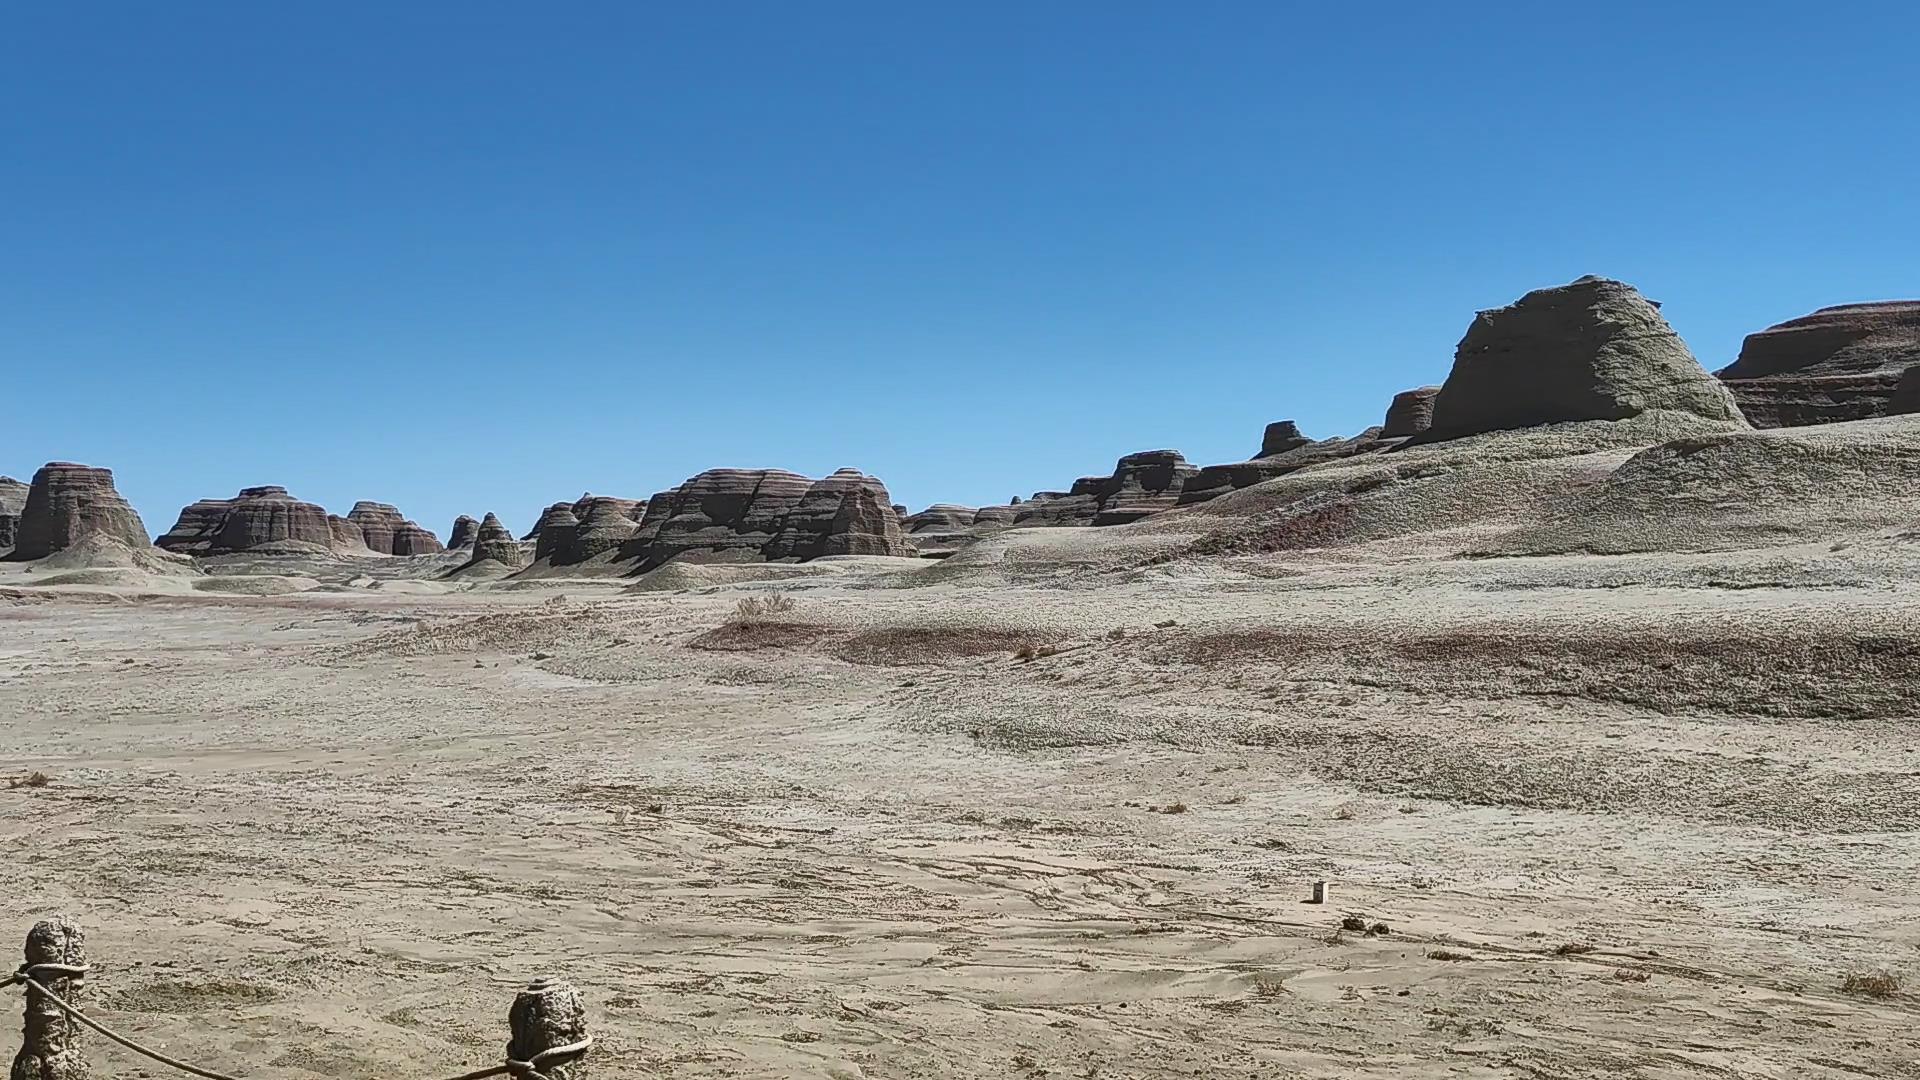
x,y
477,256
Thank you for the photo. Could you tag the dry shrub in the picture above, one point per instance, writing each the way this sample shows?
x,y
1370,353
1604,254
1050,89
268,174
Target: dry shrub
x,y
1873,984
1573,948
897,645
35,779
762,606
1448,954
1030,652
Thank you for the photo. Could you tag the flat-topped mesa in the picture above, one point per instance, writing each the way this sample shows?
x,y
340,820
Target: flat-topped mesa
x,y
67,504
387,533
265,518
465,530
1142,485
1592,350
602,524
13,499
1280,437
1410,413
1839,363
494,542
848,513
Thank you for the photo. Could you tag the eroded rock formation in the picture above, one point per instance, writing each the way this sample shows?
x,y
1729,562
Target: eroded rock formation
x,y
67,504
13,499
1839,363
265,518
462,535
1280,437
1592,350
494,543
387,533
1410,413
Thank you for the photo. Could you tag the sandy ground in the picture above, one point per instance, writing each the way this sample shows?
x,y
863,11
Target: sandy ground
x,y
329,834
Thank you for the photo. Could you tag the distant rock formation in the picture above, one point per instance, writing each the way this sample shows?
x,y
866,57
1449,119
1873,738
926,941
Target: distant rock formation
x,y
494,549
848,513
259,518
1281,436
941,517
1410,413
68,504
347,537
387,533
601,523
1592,350
465,530
554,531
13,499
1142,485
749,515
1839,363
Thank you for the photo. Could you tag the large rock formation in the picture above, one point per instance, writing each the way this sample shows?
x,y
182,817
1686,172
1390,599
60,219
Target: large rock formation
x,y
465,530
1592,350
1280,437
747,515
494,548
1142,485
554,531
13,499
1410,413
68,504
259,518
387,533
601,523
1839,363
941,518
347,537
848,513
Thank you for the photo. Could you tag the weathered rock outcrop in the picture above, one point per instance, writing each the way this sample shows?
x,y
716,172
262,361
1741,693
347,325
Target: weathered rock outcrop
x,y
465,530
1216,480
1280,437
1906,393
941,517
347,537
265,518
848,513
1839,363
601,524
1410,413
1592,350
68,504
494,546
554,531
1142,485
387,533
13,499
748,515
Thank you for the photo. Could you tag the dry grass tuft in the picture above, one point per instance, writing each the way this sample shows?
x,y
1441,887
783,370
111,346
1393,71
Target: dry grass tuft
x,y
1448,954
1873,984
762,606
35,779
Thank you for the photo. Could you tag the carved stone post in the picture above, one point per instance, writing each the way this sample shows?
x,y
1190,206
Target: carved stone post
x,y
50,1044
546,1016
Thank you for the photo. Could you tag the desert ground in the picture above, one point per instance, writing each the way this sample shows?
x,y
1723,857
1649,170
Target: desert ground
x,y
1641,815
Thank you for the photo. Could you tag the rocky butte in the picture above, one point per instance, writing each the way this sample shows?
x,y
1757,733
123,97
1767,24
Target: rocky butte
x,y
265,519
1592,350
1839,363
68,504
13,498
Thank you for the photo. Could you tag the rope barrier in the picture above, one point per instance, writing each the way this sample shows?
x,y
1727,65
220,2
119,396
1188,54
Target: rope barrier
x,y
519,1070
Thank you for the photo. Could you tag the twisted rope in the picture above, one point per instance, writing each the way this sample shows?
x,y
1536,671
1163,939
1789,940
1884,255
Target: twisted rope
x,y
531,1069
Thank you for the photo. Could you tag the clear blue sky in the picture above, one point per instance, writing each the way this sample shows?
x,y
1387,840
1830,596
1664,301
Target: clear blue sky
x,y
471,256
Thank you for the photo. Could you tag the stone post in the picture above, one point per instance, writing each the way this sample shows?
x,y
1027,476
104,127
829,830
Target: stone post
x,y
50,1043
547,1015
